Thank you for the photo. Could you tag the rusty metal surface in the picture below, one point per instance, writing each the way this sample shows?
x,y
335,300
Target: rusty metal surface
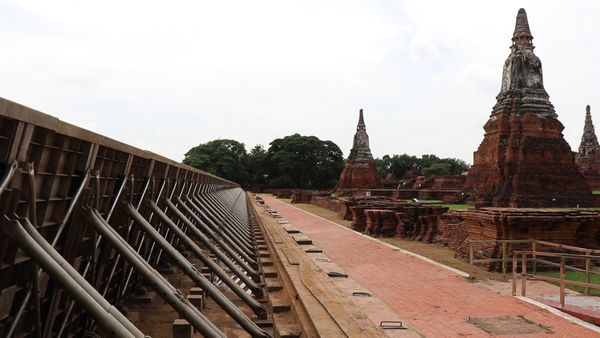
x,y
50,171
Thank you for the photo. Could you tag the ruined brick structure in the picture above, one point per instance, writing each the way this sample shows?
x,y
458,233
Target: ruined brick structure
x,y
359,171
570,227
390,180
301,196
588,156
379,216
524,160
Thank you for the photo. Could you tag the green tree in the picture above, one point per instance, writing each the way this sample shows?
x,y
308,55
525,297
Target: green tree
x,y
437,168
400,164
224,158
298,161
257,165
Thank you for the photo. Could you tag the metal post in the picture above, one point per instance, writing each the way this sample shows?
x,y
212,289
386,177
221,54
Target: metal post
x,y
196,276
524,274
74,274
12,169
230,219
562,281
471,253
128,275
217,240
224,230
103,313
240,251
35,286
156,281
61,228
514,274
257,290
587,272
534,249
504,257
209,210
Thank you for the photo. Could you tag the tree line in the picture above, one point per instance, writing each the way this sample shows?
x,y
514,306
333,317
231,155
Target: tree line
x,y
303,162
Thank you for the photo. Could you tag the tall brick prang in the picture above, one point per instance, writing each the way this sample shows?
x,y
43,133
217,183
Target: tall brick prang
x,y
588,156
359,171
524,160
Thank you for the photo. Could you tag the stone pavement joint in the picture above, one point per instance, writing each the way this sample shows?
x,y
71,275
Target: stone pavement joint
x,y
432,300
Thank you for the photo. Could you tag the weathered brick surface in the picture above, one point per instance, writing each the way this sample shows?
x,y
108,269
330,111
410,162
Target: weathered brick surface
x,y
390,180
387,218
301,196
448,182
327,202
524,160
588,156
359,171
359,175
433,194
571,227
283,193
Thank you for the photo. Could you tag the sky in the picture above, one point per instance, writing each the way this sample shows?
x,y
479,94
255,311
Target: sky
x,y
166,76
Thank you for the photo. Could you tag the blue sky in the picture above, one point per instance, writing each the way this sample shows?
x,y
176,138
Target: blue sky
x,y
166,76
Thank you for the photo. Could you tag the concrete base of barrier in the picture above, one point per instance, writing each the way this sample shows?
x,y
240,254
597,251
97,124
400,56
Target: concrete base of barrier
x,y
182,329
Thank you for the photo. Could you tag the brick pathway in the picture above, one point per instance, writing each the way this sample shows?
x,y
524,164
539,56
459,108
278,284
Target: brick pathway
x,y
434,301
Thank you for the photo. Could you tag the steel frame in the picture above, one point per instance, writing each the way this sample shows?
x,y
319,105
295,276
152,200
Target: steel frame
x,y
80,229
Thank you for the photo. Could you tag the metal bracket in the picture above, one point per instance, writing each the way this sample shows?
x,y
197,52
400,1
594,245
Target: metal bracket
x,y
337,274
392,324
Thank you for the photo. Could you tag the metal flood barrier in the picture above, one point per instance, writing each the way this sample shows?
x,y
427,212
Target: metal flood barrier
x,y
85,220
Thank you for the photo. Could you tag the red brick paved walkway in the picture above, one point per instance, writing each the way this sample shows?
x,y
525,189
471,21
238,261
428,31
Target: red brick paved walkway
x,y
434,301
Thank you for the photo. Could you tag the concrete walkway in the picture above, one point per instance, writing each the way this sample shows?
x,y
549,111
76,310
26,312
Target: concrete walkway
x,y
431,299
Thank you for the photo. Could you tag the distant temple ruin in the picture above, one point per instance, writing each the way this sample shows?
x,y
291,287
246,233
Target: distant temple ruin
x,y
524,160
588,157
359,171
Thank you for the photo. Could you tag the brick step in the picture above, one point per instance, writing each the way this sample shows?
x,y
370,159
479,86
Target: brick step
x,y
269,272
266,262
286,325
302,239
273,284
278,302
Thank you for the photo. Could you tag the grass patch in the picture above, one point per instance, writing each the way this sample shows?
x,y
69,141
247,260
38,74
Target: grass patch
x,y
439,203
575,276
409,200
458,206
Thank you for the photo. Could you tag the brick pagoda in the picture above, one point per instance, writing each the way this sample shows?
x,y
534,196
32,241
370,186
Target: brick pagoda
x,y
359,171
524,160
588,157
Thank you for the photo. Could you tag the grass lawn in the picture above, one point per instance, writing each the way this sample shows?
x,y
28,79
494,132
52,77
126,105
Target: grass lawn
x,y
458,206
596,192
425,201
435,252
578,277
439,202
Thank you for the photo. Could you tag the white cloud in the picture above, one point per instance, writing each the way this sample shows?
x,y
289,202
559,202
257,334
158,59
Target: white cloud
x,y
426,72
422,50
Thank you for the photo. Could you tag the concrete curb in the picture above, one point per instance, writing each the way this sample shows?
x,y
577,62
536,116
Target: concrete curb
x,y
560,313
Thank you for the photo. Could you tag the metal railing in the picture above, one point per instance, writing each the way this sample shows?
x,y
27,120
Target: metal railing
x,y
506,255
532,256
